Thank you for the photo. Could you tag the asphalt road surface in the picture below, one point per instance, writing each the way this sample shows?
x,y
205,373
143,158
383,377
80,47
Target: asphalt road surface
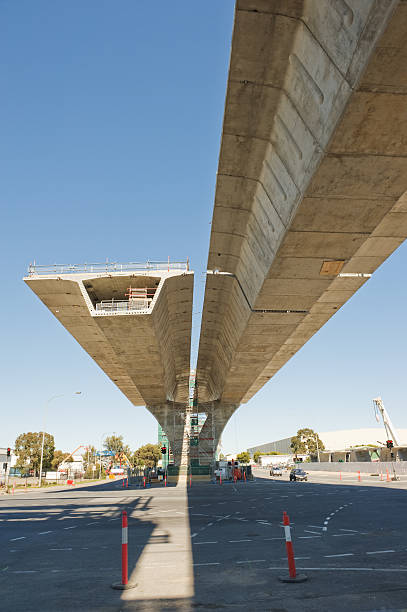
x,y
208,547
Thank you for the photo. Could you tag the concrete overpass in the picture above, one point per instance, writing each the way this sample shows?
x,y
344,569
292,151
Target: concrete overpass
x,y
134,320
311,188
311,198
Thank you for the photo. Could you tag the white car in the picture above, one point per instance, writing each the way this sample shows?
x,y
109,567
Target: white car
x,y
276,471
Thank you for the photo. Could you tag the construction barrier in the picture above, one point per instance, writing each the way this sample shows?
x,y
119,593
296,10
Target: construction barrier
x,y
293,576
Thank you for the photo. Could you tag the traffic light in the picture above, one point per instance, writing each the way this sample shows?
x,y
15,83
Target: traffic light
x,y
8,452
163,450
389,444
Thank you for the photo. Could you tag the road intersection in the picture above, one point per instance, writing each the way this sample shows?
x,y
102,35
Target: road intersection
x,y
208,546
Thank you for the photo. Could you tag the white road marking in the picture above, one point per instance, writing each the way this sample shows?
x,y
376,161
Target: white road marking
x,y
44,532
252,561
342,555
340,535
193,535
196,543
15,539
353,530
73,527
315,526
93,523
308,531
60,549
379,552
346,569
210,524
237,541
195,564
308,537
24,571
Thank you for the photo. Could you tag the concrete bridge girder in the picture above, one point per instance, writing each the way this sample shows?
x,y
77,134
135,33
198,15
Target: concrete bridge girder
x,y
145,351
311,184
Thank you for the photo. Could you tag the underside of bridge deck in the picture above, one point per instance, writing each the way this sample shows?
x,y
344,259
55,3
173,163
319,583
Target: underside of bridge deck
x,y
312,179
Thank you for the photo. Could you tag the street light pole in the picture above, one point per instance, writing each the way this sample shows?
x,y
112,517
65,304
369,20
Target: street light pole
x,y
43,431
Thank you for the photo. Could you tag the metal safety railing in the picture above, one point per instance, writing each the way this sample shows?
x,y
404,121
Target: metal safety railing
x,y
122,306
107,267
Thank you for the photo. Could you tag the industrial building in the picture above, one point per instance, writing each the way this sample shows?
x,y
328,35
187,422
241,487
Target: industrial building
x,y
334,440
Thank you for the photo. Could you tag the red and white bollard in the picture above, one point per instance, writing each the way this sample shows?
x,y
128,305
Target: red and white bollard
x,y
125,577
220,479
165,480
124,584
293,576
359,478
387,476
127,483
190,480
123,483
381,476
144,481
244,476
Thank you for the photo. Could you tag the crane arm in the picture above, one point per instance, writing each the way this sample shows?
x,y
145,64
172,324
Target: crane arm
x,y
391,431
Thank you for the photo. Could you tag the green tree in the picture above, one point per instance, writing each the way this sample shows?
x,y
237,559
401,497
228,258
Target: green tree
x,y
147,455
28,448
256,456
305,442
243,457
114,443
58,458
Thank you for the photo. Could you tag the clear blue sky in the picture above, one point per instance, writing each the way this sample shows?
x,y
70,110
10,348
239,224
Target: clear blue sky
x,y
111,124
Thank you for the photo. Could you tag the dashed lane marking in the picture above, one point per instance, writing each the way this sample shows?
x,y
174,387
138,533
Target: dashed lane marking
x,y
341,555
238,541
15,539
347,569
308,537
308,531
73,527
379,552
60,549
44,532
196,543
215,563
340,535
193,535
252,561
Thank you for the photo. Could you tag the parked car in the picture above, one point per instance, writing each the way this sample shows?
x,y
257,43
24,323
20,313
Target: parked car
x,y
298,474
276,471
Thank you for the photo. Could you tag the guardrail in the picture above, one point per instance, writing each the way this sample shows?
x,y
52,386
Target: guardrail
x,y
122,306
107,267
